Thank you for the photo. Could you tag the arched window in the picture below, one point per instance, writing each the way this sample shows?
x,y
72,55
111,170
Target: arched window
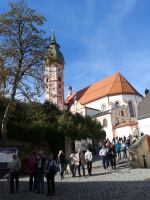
x,y
104,108
117,104
122,113
131,110
59,78
117,112
104,122
46,79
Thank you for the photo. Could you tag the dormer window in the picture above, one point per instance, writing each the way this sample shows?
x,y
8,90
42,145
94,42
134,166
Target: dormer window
x,y
104,108
117,104
104,122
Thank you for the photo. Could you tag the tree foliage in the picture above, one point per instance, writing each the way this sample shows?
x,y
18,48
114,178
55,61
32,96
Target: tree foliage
x,y
39,123
21,51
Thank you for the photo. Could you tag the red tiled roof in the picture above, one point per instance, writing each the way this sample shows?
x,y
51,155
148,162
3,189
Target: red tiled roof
x,y
112,85
127,123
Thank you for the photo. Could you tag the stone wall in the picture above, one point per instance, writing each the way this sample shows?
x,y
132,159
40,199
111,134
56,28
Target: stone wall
x,y
137,150
25,149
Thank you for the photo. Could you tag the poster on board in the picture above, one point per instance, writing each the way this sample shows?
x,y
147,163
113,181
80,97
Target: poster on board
x,y
77,145
89,140
6,157
83,144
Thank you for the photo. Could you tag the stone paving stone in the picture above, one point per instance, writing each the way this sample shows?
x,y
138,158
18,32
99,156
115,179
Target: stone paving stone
x,y
121,184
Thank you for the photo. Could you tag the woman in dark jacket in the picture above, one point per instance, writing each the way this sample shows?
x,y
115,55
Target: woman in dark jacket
x,y
112,156
61,163
50,174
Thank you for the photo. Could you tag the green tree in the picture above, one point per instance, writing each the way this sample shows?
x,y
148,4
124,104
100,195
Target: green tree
x,y
22,50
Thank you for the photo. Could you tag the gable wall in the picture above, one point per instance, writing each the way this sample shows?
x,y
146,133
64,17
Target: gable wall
x,y
144,125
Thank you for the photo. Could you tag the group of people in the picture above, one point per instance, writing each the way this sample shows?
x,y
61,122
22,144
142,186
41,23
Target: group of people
x,y
112,150
108,155
38,167
78,161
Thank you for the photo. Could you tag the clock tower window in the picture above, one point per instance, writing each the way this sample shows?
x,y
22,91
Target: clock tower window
x,y
59,78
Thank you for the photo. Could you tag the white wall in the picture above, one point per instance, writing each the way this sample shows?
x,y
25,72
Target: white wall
x,y
108,129
98,103
123,131
144,125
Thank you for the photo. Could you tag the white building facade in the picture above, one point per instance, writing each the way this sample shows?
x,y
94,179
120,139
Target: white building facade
x,y
112,101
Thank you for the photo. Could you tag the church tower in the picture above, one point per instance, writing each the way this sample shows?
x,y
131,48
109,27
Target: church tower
x,y
54,78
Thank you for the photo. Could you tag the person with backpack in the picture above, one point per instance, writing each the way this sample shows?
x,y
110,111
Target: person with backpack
x,y
50,170
88,160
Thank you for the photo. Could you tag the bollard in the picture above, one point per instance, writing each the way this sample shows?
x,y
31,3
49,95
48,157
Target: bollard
x,y
144,160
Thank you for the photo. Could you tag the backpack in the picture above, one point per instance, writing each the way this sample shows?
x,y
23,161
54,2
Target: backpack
x,y
53,169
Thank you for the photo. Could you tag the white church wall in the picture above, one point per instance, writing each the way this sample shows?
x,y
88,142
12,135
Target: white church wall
x,y
144,125
126,130
108,129
135,99
98,103
115,99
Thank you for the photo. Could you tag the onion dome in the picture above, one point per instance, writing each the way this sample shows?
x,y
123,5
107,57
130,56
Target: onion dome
x,y
146,91
53,53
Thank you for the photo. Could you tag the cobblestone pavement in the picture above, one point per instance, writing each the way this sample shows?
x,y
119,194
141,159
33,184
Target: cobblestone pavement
x,y
121,184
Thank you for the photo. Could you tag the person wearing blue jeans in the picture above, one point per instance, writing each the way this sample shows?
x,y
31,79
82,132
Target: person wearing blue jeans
x,y
103,153
40,163
61,163
118,150
50,174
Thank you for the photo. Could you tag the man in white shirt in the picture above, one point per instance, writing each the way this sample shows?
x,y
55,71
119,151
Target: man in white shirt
x,y
88,160
104,154
14,173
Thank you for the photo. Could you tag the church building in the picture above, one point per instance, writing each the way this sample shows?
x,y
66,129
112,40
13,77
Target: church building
x,y
113,101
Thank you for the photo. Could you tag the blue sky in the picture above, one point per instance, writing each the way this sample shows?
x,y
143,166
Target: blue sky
x,y
99,38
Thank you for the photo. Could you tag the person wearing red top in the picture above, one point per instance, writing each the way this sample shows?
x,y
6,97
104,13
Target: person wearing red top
x,y
32,170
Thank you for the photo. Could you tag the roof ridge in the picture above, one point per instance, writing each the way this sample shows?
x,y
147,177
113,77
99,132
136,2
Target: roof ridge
x,y
96,83
121,82
113,83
